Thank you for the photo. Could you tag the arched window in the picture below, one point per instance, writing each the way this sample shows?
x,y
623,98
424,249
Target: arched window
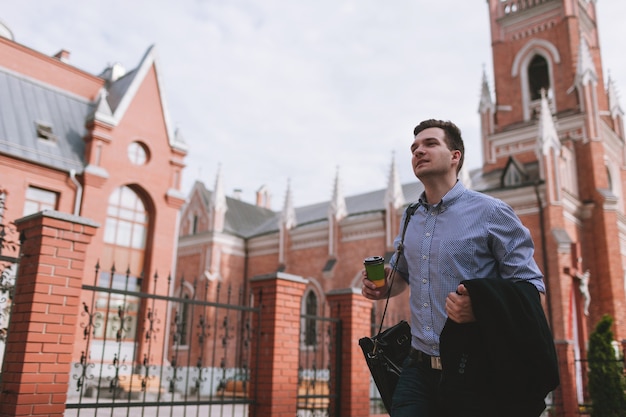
x,y
126,221
538,77
194,228
613,183
310,324
124,248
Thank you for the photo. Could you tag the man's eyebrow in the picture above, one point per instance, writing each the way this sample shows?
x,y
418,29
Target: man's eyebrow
x,y
429,139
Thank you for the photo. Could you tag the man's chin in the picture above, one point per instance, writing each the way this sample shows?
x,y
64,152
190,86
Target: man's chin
x,y
420,170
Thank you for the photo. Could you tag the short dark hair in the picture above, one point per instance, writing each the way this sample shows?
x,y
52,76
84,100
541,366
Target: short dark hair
x,y
452,135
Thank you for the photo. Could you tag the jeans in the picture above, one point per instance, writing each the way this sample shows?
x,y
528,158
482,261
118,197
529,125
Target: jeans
x,y
416,394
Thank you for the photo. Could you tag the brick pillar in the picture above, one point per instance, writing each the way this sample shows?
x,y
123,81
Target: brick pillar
x,y
39,347
354,311
275,380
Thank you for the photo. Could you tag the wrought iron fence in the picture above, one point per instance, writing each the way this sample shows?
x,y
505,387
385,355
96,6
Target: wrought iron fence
x,y
8,271
319,372
185,354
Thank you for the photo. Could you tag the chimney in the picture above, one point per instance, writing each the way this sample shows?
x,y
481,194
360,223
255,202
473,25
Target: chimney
x,y
237,193
63,55
263,197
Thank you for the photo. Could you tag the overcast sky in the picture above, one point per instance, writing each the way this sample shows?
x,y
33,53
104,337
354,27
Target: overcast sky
x,y
294,90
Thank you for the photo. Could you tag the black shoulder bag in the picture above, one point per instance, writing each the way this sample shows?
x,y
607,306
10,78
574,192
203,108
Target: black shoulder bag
x,y
385,352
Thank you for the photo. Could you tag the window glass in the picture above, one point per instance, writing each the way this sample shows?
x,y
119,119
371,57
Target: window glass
x,y
137,153
538,77
127,219
310,336
125,239
38,199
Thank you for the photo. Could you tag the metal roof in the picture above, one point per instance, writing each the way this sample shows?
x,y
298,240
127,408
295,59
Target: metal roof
x,y
25,103
241,218
249,220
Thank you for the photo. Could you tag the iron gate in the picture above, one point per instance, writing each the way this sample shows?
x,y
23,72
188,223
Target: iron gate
x,y
153,354
319,373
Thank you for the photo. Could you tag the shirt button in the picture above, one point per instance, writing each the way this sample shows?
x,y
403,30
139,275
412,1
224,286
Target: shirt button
x,y
425,281
427,327
425,304
427,234
423,256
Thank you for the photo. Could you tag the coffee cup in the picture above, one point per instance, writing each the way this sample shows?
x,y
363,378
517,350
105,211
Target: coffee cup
x,y
375,268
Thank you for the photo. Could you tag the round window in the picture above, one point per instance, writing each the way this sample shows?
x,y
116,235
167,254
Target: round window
x,y
137,153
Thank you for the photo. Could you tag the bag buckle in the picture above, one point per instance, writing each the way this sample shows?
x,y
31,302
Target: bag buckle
x,y
435,362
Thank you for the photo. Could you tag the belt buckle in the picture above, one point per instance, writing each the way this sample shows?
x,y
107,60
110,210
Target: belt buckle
x,y
435,362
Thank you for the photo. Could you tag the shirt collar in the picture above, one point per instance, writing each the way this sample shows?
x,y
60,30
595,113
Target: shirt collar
x,y
448,199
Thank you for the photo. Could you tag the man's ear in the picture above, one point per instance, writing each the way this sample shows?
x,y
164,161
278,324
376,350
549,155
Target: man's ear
x,y
456,155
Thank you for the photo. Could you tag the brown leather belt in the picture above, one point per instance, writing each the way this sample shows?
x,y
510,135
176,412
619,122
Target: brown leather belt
x,y
421,357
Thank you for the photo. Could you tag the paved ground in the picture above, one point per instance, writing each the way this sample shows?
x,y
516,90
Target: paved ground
x,y
163,411
177,411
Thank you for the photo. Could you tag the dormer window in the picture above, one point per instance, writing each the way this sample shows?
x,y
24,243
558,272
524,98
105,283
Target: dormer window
x,y
514,174
44,131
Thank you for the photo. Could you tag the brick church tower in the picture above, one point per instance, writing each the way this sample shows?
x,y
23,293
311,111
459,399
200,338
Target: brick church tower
x,y
553,148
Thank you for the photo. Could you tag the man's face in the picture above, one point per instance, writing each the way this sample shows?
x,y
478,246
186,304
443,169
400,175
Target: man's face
x,y
431,156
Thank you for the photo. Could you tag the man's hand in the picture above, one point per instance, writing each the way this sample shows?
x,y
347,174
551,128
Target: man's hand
x,y
370,290
459,306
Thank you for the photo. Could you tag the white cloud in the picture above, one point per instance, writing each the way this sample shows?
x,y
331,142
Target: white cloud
x,y
277,90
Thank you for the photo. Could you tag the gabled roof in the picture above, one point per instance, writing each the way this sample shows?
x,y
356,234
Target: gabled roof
x,y
45,125
248,220
26,103
122,91
241,218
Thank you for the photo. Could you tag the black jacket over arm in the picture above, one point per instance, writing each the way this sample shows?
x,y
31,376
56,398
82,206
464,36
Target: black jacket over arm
x,y
505,363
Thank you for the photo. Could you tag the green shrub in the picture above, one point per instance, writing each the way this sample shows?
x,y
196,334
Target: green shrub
x,y
606,373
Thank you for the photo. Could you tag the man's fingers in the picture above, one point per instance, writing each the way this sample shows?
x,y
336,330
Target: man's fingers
x,y
462,290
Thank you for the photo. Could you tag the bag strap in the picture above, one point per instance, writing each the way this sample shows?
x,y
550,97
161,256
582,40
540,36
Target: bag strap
x,y
410,210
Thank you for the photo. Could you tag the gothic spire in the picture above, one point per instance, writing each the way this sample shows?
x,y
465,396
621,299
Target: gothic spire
x,y
103,111
394,195
337,207
218,198
585,70
217,204
486,102
288,215
547,136
614,106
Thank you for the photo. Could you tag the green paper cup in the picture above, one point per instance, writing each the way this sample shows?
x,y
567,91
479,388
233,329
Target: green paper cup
x,y
375,268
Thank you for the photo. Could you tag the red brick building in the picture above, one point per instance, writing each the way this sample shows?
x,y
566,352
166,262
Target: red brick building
x,y
102,147
553,148
97,146
227,240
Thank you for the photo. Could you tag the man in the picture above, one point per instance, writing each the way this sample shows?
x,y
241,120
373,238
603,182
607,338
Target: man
x,y
455,234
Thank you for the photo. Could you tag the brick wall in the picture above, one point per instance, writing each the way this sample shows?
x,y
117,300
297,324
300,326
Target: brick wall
x,y
40,339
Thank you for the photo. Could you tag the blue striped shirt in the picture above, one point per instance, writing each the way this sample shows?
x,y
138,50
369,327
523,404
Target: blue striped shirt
x,y
467,235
